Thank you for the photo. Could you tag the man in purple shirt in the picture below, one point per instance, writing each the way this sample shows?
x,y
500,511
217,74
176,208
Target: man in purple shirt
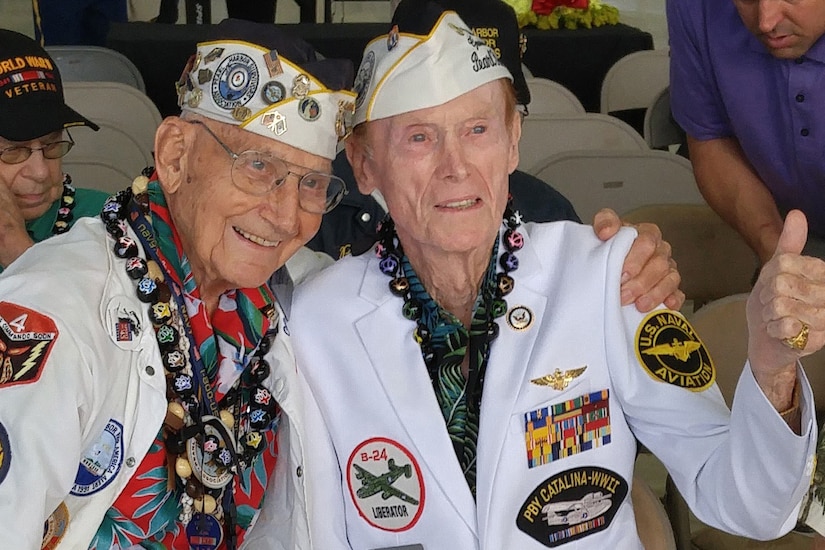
x,y
748,87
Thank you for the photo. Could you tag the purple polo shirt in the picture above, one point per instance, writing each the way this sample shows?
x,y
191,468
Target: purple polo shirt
x,y
724,83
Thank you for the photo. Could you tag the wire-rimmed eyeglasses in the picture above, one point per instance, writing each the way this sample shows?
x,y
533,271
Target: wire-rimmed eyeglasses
x,y
259,173
21,153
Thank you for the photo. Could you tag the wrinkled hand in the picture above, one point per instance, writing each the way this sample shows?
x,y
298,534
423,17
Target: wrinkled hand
x,y
14,240
649,275
790,291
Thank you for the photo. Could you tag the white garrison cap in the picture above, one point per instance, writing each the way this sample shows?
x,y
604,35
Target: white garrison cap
x,y
403,72
264,93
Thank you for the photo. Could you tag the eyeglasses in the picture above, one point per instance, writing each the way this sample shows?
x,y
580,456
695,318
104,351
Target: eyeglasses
x,y
260,173
21,153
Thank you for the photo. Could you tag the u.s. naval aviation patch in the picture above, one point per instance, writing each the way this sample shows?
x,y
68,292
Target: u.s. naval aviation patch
x,y
571,505
669,350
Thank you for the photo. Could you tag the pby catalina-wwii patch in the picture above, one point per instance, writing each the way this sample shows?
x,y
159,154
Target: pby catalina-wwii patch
x,y
567,428
669,350
385,484
26,339
100,462
572,505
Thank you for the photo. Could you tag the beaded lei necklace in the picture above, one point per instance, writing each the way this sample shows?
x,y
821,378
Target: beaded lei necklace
x,y
390,251
67,204
206,451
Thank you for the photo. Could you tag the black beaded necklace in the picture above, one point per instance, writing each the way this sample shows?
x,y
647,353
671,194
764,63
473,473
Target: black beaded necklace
x,y
207,451
391,252
67,204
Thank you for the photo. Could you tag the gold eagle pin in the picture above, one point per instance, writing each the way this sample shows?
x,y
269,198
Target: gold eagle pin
x,y
559,380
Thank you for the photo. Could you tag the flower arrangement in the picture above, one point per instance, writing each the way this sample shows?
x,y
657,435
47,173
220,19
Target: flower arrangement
x,y
563,14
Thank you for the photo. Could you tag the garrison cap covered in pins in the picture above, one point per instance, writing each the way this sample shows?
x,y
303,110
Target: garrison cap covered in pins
x,y
428,58
271,83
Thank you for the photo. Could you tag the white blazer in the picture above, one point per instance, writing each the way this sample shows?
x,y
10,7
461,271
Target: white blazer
x,y
392,478
93,382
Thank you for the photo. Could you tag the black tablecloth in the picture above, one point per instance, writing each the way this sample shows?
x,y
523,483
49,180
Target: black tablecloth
x,y
578,59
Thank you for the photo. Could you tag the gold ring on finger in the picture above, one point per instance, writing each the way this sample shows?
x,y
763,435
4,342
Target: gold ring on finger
x,y
799,341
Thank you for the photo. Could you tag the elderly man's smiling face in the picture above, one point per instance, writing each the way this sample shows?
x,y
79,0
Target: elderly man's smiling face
x,y
232,238
444,170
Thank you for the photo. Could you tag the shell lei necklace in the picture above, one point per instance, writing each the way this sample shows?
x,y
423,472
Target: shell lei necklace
x,y
205,452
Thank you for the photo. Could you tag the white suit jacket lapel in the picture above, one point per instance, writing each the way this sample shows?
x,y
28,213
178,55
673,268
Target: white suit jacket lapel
x,y
507,374
396,359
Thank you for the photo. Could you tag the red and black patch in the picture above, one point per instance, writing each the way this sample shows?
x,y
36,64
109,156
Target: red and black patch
x,y
571,505
26,339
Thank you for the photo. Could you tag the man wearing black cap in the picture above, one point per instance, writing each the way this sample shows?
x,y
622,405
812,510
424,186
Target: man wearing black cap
x,y
37,200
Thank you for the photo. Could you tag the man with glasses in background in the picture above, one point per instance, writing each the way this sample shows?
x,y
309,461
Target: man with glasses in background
x,y
37,200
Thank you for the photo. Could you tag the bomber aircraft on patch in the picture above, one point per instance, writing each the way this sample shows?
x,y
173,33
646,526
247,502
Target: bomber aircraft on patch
x,y
372,484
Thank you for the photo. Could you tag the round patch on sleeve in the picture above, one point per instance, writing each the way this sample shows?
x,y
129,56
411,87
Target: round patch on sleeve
x,y
572,505
671,352
5,453
101,461
55,528
385,484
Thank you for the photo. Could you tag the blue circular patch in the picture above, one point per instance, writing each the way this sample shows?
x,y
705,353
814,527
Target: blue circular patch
x,y
101,462
5,453
235,81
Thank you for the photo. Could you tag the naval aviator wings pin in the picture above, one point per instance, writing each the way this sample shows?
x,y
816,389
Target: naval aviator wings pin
x,y
559,380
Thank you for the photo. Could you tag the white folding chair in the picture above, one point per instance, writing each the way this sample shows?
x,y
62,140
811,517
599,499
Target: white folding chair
x,y
526,71
713,259
127,119
634,80
94,63
621,180
545,135
95,173
660,130
551,98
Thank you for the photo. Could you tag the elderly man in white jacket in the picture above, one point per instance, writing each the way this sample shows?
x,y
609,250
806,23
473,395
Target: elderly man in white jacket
x,y
478,383
147,392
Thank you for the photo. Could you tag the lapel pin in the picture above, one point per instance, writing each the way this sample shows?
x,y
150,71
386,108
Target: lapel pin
x,y
520,318
559,380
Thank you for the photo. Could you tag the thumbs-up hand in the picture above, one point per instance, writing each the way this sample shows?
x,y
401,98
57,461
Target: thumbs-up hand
x,y
786,310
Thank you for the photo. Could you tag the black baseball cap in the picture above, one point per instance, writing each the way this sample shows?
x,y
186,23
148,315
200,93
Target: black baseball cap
x,y
492,20
31,92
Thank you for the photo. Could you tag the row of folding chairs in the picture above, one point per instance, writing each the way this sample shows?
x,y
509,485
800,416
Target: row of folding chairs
x,y
106,87
597,160
110,158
